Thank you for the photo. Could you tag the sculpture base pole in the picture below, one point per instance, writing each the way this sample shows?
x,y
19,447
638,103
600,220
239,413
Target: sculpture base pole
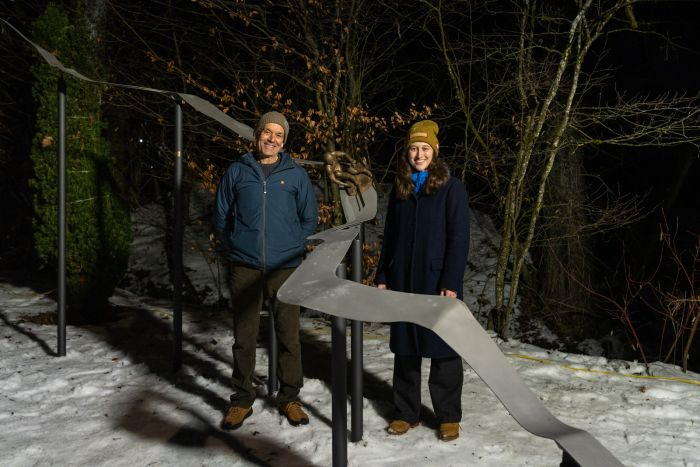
x,y
339,390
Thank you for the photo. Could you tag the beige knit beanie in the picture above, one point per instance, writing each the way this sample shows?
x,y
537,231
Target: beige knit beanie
x,y
272,117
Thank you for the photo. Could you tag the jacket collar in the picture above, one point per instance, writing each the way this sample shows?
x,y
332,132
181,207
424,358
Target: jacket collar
x,y
250,160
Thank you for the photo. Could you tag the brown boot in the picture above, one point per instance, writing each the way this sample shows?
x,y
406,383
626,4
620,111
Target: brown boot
x,y
400,427
449,431
294,413
234,417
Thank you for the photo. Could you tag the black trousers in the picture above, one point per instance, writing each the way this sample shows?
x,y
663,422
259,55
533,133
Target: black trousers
x,y
250,288
444,383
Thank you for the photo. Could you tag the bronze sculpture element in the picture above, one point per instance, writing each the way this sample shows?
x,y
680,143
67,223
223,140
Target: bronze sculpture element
x,y
347,173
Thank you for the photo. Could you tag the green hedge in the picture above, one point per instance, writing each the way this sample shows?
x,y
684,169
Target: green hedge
x,y
97,222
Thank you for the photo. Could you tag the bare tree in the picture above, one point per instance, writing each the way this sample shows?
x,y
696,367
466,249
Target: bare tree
x,y
677,301
325,67
323,64
529,86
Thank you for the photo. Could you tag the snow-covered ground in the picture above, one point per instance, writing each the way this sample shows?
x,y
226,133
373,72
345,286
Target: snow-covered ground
x,y
114,399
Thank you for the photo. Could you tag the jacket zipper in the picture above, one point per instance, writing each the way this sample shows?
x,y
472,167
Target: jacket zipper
x,y
264,209
264,213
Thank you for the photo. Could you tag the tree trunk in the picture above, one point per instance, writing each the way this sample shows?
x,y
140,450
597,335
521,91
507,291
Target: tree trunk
x,y
562,259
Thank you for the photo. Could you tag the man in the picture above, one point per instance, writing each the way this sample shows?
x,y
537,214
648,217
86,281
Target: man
x,y
265,209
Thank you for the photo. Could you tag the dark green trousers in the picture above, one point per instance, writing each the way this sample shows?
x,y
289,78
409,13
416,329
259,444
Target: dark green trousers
x,y
250,287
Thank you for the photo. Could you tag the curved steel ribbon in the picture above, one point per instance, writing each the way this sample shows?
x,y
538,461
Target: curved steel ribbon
x,y
315,285
200,105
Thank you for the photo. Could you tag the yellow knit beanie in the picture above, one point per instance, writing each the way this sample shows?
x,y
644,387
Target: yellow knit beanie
x,y
424,131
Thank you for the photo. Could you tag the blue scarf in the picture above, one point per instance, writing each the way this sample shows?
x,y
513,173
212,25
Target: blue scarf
x,y
419,179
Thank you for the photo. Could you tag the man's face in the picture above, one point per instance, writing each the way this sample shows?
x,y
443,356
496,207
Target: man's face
x,y
270,140
420,155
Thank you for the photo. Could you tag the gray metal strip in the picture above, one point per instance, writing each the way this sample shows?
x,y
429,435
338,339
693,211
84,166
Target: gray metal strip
x,y
361,208
200,105
197,103
315,285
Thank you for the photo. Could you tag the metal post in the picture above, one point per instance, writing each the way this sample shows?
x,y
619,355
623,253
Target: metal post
x,y
61,168
177,241
272,349
339,391
356,348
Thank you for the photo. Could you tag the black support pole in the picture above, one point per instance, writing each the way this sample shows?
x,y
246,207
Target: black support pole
x,y
272,349
339,390
177,241
61,169
356,348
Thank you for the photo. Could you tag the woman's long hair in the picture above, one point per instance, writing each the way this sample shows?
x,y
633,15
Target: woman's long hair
x,y
438,175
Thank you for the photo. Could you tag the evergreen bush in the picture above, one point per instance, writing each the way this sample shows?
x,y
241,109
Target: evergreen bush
x,y
98,231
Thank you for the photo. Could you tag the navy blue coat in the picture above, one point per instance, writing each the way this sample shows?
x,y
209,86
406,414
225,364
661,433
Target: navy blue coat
x,y
264,223
425,249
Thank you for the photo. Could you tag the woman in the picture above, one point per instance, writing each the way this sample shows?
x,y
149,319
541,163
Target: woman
x,y
425,249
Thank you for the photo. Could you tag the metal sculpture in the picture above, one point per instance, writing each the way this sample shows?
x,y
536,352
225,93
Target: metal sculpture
x,y
315,285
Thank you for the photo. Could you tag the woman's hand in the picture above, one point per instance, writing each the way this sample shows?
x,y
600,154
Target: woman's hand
x,y
448,293
381,286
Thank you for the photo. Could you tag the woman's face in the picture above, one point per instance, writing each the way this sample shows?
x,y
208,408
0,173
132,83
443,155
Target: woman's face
x,y
420,155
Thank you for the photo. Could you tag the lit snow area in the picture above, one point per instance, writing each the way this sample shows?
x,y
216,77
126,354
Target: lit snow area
x,y
114,399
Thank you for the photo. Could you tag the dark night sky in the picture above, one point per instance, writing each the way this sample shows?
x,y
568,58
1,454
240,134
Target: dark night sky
x,y
648,65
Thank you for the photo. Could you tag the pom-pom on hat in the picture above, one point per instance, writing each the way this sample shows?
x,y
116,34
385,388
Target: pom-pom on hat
x,y
272,117
424,131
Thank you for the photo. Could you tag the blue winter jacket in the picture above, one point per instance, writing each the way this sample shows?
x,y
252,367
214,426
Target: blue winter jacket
x,y
264,223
